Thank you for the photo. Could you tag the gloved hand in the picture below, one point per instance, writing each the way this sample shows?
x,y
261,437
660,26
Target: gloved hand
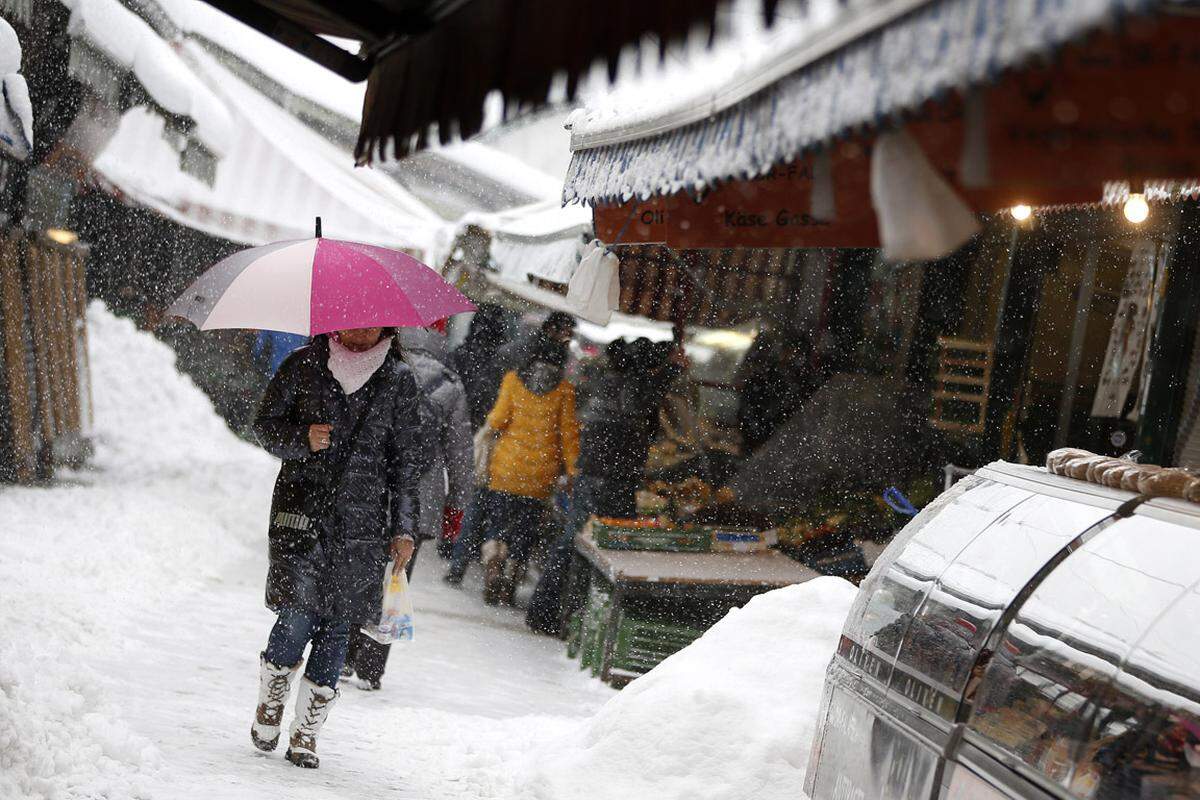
x,y
451,523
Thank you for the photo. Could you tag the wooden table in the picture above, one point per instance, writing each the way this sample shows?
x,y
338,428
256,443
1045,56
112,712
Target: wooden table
x,y
726,579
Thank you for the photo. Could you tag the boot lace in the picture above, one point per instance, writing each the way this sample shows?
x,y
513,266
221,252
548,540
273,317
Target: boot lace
x,y
305,736
271,711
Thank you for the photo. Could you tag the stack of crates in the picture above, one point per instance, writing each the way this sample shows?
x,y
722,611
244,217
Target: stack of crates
x,y
641,644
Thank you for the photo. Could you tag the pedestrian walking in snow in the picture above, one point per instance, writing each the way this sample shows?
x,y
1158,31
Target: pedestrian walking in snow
x,y
538,439
475,361
617,424
343,414
447,482
551,337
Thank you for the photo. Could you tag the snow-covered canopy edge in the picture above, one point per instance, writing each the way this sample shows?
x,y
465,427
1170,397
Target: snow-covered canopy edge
x,y
130,43
893,67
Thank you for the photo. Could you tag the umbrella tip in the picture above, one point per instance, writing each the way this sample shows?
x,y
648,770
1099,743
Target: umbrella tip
x,y
318,227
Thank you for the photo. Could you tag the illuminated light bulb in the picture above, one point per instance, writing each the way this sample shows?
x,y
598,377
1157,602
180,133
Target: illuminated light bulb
x,y
1021,213
62,236
1136,209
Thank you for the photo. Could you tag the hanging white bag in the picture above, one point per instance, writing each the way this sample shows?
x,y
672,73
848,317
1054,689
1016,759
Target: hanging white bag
x,y
485,440
595,289
921,217
396,621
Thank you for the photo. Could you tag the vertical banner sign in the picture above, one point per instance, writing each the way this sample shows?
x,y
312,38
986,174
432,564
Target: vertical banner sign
x,y
1126,342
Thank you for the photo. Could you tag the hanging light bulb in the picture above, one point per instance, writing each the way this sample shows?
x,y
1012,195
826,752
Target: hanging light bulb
x,y
1137,209
1021,213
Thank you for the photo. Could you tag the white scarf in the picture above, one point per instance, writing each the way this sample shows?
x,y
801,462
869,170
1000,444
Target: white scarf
x,y
351,369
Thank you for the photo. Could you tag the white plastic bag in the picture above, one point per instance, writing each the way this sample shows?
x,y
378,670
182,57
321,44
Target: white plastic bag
x,y
396,621
485,440
921,217
595,289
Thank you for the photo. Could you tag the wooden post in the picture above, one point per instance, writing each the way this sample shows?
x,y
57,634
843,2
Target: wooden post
x,y
13,347
39,320
79,265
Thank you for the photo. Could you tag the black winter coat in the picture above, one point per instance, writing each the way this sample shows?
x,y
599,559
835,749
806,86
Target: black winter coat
x,y
329,538
616,426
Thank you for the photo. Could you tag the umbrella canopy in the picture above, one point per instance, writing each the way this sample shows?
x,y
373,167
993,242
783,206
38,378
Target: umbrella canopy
x,y
312,286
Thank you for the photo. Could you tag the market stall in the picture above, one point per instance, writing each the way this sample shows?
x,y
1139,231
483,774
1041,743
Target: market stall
x,y
642,605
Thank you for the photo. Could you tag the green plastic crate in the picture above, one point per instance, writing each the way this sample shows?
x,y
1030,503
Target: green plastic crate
x,y
643,644
593,629
674,540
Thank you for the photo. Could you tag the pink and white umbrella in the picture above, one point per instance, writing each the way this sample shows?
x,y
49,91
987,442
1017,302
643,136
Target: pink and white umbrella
x,y
312,286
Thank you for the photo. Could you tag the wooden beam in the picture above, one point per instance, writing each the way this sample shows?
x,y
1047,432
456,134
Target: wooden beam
x,y
13,347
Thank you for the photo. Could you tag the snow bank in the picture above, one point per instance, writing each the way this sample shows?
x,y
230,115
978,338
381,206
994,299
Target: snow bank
x,y
141,524
731,716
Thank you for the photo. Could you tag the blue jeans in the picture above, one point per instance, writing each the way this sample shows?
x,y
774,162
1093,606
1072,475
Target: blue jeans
x,y
294,629
470,537
593,495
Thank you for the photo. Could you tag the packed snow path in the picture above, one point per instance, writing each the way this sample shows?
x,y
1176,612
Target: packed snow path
x,y
187,669
131,619
133,615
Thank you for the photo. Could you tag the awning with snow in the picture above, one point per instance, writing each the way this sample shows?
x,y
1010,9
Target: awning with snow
x,y
274,179
120,58
433,62
542,245
847,68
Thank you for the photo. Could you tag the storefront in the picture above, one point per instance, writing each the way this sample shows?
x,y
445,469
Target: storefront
x,y
935,238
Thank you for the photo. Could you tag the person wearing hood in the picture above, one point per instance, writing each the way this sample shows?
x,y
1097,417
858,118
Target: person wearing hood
x,y
618,424
475,361
537,440
449,478
551,337
346,404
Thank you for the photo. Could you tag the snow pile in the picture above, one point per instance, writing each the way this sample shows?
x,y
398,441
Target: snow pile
x,y
78,559
731,716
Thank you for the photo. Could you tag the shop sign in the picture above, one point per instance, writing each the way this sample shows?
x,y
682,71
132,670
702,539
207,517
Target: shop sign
x,y
643,222
777,209
1116,107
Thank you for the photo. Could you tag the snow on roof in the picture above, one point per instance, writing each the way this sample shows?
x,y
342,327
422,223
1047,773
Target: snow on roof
x,y
696,80
766,96
280,63
503,168
276,178
10,49
130,42
543,221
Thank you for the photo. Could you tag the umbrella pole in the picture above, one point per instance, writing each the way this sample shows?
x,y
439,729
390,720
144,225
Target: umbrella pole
x,y
318,227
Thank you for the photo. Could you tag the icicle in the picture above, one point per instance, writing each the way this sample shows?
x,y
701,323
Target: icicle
x,y
974,166
822,203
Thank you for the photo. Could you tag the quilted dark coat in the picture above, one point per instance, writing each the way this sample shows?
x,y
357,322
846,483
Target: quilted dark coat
x,y
329,537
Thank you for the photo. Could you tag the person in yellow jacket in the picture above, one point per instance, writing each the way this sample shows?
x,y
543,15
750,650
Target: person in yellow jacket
x,y
538,439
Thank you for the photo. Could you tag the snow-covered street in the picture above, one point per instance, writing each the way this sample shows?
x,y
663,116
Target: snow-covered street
x,y
132,619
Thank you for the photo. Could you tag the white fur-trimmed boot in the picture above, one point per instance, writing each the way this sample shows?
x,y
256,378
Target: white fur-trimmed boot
x,y
274,686
312,709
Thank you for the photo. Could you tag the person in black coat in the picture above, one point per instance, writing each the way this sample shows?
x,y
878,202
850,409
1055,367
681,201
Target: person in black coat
x,y
616,429
343,414
474,361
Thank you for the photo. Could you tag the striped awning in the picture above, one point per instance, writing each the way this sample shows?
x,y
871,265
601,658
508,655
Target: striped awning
x,y
867,63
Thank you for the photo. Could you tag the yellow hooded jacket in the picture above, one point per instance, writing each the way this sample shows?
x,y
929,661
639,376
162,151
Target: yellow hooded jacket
x,y
539,437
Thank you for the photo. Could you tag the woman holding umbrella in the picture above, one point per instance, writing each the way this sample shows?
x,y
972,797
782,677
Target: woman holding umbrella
x,y
343,415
